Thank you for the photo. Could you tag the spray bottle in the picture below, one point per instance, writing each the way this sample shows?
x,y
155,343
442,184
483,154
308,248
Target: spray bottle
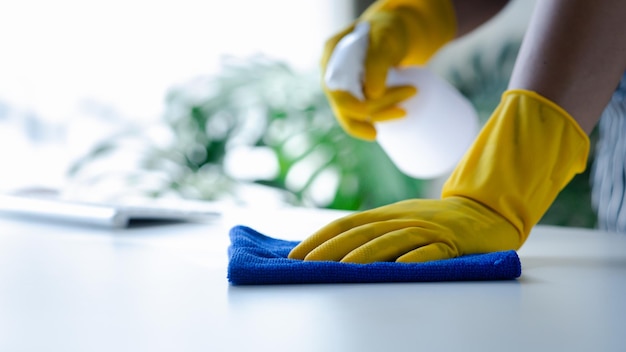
x,y
440,123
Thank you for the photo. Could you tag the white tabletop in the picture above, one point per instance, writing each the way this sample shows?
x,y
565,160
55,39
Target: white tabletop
x,y
164,288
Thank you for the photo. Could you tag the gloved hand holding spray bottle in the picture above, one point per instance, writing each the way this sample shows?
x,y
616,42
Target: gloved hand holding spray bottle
x,y
439,125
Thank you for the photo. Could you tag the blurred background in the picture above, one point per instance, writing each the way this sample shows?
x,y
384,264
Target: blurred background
x,y
213,100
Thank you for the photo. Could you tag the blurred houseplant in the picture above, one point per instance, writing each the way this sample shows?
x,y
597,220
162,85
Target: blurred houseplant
x,y
255,115
281,121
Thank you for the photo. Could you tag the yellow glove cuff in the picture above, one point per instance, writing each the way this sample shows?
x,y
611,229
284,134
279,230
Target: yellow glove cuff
x,y
528,151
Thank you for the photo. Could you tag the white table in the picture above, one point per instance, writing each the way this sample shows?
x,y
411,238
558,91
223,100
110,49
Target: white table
x,y
71,288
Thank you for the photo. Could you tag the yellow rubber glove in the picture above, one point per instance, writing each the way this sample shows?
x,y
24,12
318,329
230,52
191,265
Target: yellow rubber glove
x,y
402,33
525,155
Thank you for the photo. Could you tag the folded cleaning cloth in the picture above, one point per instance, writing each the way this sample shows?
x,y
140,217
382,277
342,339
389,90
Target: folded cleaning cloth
x,y
256,259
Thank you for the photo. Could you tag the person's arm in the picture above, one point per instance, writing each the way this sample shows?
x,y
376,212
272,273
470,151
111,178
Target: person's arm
x,y
574,53
472,14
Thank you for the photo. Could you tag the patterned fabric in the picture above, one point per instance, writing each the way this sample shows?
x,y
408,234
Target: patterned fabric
x,y
608,176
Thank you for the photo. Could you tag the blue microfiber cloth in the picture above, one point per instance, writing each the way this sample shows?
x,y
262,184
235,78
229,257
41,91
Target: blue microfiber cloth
x,y
256,259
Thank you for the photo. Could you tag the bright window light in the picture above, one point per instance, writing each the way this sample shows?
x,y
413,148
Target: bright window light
x,y
122,56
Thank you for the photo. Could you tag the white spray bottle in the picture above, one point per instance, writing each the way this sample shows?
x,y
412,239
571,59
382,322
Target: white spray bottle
x,y
440,123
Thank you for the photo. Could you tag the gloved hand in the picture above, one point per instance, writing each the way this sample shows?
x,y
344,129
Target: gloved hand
x,y
525,155
401,33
